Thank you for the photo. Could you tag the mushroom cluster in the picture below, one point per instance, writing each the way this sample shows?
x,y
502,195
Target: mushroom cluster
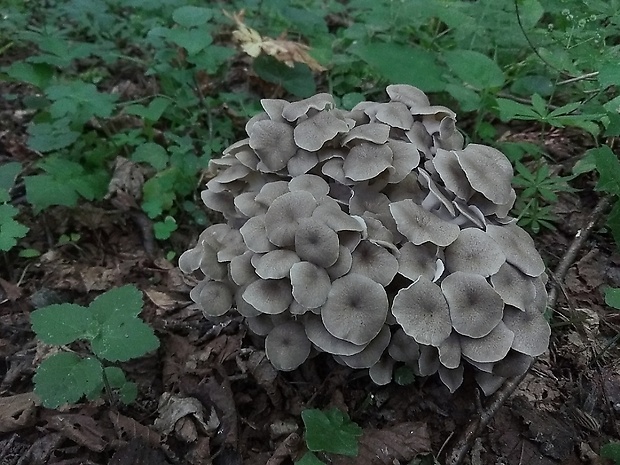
x,y
373,235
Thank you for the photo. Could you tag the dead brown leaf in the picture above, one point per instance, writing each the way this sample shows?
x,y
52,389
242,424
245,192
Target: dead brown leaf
x,y
17,412
129,429
81,429
12,291
286,51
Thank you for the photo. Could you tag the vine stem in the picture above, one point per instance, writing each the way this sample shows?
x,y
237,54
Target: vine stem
x,y
477,425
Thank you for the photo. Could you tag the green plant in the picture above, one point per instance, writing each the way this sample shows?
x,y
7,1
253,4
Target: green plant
x,y
114,333
329,431
611,451
10,229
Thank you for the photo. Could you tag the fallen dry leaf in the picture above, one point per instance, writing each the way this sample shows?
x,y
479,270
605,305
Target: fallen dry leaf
x,y
17,412
287,51
81,429
129,429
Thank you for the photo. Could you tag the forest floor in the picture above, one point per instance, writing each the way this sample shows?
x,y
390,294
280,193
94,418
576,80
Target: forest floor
x,y
564,410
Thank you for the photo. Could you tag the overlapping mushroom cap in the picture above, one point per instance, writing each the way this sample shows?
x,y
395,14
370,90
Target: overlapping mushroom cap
x,y
376,236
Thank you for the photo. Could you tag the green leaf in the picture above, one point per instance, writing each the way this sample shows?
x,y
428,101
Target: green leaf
x,y
190,16
61,323
298,80
533,84
43,191
48,137
609,75
65,378
608,166
611,451
612,297
402,64
152,112
192,40
475,69
10,229
80,101
331,431
163,229
124,339
151,153
530,12
127,390
8,174
309,459
119,303
39,75
509,110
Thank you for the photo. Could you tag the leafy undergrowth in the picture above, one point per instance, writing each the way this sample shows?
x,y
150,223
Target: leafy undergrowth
x,y
111,111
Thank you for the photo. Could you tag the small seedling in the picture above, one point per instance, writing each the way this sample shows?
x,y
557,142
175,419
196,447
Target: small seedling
x,y
330,431
115,334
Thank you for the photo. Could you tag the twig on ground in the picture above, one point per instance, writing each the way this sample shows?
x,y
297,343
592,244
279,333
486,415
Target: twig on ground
x,y
477,425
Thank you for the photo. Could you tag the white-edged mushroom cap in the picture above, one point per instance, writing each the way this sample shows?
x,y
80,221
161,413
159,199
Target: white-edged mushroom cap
x,y
371,353
395,114
336,219
283,216
475,307
519,248
312,133
261,325
302,162
514,364
422,311
474,251
189,260
531,330
376,133
488,382
366,161
317,243
276,264
405,158
417,260
490,348
428,363
311,284
271,191
403,348
269,296
324,340
273,142
451,377
316,185
381,372
420,226
241,270
274,107
215,299
374,262
287,346
247,205
342,265
356,309
515,288
409,95
450,351
255,235
452,174
488,171
295,110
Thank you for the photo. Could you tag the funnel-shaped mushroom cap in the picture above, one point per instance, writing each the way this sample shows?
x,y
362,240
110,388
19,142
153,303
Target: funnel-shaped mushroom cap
x,y
317,243
371,353
417,260
475,307
316,185
366,161
324,340
215,299
356,308
409,95
452,174
515,288
302,162
488,171
189,260
514,364
255,235
241,270
531,330
373,132
342,265
519,248
274,107
395,114
381,372
273,142
403,348
295,110
420,226
374,262
283,216
269,296
428,363
451,377
450,351
490,348
474,251
405,158
276,264
271,191
488,382
287,346
422,311
311,284
312,133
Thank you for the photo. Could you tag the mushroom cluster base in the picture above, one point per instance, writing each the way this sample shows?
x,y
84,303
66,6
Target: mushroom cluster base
x,y
374,235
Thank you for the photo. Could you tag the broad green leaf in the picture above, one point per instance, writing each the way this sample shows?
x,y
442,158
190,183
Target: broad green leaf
x,y
509,110
309,459
124,339
163,229
585,164
190,16
79,101
10,229
192,40
609,75
611,451
608,167
212,58
43,191
8,174
530,12
402,64
351,99
152,112
119,304
539,105
65,378
468,99
474,68
298,80
532,84
151,153
39,75
331,431
61,323
612,297
48,137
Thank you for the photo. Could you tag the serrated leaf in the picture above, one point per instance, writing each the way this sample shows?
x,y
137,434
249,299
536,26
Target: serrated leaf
x,y
61,323
163,229
190,16
65,378
331,431
48,137
8,174
402,64
127,390
152,112
10,229
124,339
608,166
474,68
118,304
151,153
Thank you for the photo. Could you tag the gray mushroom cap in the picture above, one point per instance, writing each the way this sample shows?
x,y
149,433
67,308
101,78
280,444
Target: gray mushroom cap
x,y
317,243
366,161
519,248
403,348
489,383
450,351
356,309
376,133
274,107
316,185
255,235
531,330
513,364
312,133
295,110
215,298
409,95
381,372
273,142
420,226
515,288
287,346
311,284
371,353
324,340
428,363
452,174
269,296
302,162
490,348
474,251
422,311
241,270
374,262
276,264
451,377
475,307
283,216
